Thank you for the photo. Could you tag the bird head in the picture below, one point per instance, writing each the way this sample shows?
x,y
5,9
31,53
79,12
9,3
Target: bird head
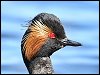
x,y
44,36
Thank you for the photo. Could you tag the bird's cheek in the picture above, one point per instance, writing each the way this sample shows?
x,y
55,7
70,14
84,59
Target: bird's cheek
x,y
56,47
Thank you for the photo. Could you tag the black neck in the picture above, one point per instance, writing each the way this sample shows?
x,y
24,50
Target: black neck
x,y
41,65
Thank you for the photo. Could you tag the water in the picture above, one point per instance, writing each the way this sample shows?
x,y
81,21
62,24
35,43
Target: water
x,y
81,23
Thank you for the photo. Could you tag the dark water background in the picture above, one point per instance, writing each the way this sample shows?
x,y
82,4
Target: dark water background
x,y
81,23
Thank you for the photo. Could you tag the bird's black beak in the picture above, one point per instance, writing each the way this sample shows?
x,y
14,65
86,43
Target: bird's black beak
x,y
67,42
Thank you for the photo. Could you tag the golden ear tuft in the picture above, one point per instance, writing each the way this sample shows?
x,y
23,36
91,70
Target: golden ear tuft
x,y
35,39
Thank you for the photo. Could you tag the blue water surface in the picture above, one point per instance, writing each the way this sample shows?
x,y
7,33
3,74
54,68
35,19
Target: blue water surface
x,y
81,23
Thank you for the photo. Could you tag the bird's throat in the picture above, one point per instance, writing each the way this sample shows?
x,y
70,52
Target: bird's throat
x,y
41,65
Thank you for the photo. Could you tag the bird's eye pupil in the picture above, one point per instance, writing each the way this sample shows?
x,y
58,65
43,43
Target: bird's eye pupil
x,y
52,35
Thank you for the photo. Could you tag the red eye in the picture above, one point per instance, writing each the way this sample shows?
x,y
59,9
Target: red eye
x,y
52,35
